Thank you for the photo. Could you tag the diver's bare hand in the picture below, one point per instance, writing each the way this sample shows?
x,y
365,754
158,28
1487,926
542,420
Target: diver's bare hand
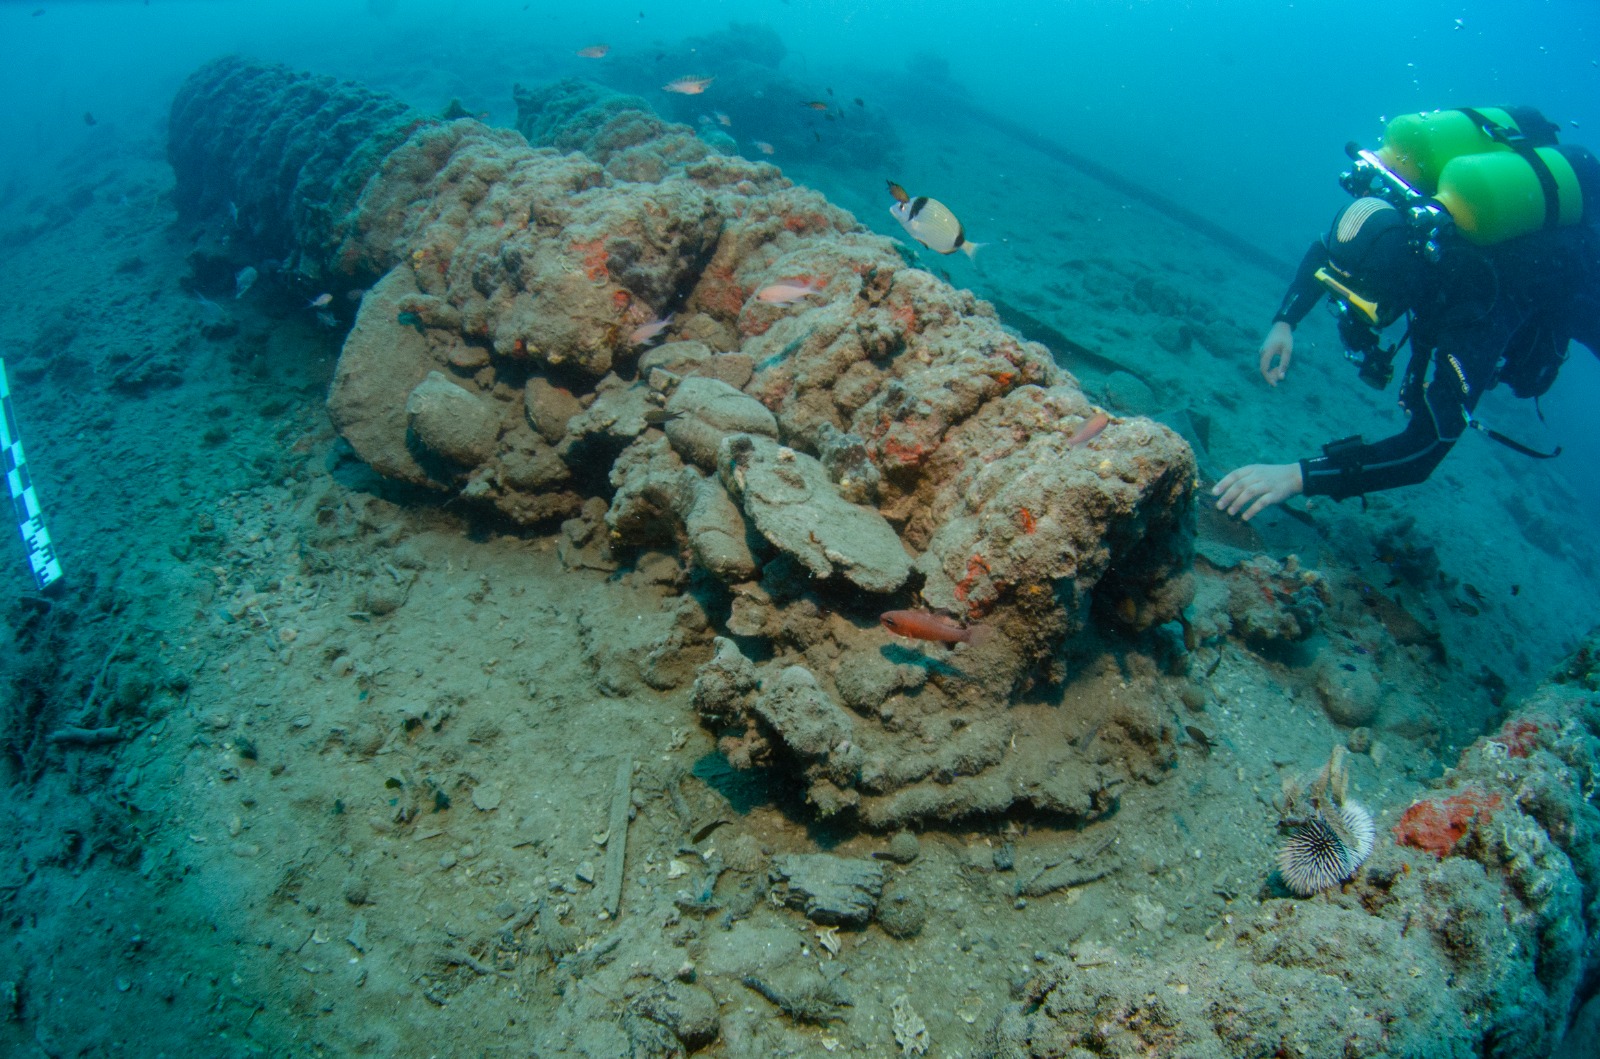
x,y
1277,347
1258,485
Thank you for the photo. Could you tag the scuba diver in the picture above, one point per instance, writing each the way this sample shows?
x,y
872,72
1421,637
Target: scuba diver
x,y
1478,229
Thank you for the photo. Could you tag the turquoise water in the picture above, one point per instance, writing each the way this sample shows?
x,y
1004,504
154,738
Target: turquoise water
x,y
1236,109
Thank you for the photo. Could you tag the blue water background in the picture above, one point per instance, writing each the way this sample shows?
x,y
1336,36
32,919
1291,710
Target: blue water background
x,y
1238,109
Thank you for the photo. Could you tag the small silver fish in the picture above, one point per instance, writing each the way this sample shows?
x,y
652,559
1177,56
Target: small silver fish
x,y
319,301
243,280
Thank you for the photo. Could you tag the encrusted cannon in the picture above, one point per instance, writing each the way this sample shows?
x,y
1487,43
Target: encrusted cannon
x,y
823,429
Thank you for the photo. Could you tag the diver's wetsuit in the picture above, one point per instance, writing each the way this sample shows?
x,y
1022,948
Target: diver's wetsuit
x,y
1479,305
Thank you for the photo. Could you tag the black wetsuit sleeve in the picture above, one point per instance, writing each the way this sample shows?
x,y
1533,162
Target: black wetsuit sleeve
x,y
1353,468
1304,292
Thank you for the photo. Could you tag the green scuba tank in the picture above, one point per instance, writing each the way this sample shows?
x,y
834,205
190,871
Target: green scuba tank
x,y
1500,195
1497,171
1419,146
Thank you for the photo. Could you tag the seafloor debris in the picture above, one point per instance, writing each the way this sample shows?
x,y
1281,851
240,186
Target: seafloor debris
x,y
1079,865
804,994
822,460
1269,602
910,1032
685,1010
828,889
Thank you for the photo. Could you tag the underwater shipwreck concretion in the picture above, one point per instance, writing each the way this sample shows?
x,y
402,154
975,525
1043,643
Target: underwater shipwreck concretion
x,y
878,443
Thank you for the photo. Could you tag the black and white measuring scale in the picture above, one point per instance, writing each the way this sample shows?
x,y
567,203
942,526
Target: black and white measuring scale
x,y
24,503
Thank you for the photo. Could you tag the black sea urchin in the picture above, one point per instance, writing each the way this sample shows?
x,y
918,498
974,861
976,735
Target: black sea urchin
x,y
1326,850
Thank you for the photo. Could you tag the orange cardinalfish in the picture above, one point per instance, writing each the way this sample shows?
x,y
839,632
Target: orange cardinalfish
x,y
594,51
921,625
791,290
688,86
763,146
1090,430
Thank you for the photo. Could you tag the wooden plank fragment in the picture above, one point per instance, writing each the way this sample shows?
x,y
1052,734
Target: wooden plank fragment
x,y
617,843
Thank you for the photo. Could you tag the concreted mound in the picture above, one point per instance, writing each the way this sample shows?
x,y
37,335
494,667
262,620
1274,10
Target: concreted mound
x,y
738,373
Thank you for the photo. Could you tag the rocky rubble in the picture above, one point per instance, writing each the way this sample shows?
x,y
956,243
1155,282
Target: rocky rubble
x,y
1470,932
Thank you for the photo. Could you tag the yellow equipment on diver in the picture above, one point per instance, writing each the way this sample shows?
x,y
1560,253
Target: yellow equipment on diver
x,y
1497,171
1365,306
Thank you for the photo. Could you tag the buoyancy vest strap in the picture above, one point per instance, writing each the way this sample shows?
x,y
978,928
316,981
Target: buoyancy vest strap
x,y
1519,143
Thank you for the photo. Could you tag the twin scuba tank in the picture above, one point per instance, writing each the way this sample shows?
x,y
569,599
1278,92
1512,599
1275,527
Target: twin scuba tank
x,y
1497,171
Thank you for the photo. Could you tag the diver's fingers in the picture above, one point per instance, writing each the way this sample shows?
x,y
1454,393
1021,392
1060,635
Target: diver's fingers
x,y
1230,499
1227,482
1274,373
1266,499
1245,494
1238,495
1276,353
